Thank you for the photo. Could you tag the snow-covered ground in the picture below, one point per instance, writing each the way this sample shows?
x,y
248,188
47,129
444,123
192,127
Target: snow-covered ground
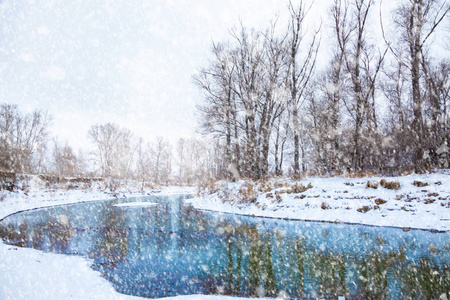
x,y
340,199
32,274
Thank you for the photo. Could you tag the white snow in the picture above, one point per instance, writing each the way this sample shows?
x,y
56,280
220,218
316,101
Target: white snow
x,y
135,204
338,199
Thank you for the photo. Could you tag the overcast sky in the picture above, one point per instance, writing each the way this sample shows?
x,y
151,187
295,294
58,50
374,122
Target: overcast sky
x,y
128,62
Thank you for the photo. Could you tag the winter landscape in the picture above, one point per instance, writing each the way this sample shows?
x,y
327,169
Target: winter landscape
x,y
192,150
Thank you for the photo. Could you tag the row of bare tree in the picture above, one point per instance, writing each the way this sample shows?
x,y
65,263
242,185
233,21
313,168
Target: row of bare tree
x,y
116,153
376,107
119,154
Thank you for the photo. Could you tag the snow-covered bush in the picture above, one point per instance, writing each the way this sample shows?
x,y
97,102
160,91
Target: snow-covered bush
x,y
372,184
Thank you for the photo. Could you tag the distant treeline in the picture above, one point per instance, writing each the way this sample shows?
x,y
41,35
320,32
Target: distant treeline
x,y
116,153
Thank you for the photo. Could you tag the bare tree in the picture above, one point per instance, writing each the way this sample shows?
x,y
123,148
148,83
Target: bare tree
x,y
219,113
64,159
114,148
363,67
417,20
161,161
300,70
22,137
143,162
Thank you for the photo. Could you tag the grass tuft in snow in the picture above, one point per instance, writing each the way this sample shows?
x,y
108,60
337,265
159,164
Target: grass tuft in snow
x,y
380,201
364,209
298,188
420,183
391,185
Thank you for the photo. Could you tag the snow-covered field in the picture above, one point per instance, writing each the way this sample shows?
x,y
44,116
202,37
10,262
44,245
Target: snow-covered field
x,y
32,274
425,205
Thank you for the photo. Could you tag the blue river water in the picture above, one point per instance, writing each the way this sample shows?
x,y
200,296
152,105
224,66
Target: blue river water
x,y
169,249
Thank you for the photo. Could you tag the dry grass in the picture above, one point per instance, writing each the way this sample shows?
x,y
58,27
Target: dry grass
x,y
391,185
278,197
247,193
265,186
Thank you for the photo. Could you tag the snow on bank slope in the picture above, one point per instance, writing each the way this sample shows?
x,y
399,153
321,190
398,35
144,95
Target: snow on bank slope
x,y
31,274
421,201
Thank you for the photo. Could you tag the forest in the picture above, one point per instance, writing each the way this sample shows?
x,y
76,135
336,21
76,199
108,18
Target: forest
x,y
376,107
268,109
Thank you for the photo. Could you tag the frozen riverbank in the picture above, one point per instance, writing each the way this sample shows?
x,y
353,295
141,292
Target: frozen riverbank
x,y
410,202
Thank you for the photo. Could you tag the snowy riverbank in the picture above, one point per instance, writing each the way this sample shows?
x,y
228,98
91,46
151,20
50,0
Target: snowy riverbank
x,y
413,201
32,274
421,201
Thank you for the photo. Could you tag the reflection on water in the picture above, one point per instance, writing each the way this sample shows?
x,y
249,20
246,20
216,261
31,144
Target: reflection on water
x,y
171,249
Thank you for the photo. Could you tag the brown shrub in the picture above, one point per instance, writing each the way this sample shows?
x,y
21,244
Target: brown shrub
x,y
380,201
391,185
324,205
429,201
364,209
371,184
278,184
420,183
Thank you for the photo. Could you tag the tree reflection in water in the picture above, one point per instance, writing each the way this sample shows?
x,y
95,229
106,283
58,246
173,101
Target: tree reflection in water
x,y
171,249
